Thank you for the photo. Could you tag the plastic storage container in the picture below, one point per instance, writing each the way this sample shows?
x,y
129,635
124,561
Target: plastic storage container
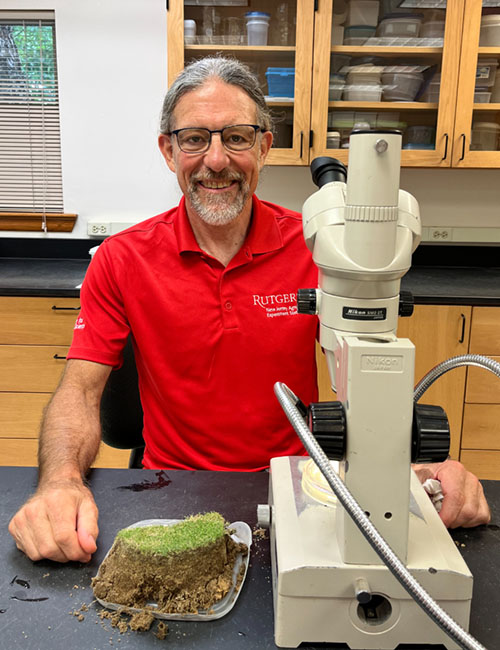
x,y
257,27
333,140
489,36
485,72
358,34
420,135
400,25
362,12
364,75
362,93
432,29
482,96
431,93
495,90
281,82
485,136
401,86
336,87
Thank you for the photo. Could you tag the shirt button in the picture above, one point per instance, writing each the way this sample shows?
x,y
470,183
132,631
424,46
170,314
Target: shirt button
x,y
228,305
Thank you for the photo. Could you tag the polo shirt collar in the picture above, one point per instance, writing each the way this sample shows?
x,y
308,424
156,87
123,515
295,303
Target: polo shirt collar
x,y
264,236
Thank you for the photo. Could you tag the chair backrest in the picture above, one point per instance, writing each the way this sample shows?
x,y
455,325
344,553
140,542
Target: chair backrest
x,y
121,408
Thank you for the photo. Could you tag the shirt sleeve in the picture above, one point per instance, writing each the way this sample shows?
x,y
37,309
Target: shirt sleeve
x,y
101,330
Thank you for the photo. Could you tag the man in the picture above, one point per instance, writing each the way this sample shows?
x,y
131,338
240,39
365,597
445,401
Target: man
x,y
207,291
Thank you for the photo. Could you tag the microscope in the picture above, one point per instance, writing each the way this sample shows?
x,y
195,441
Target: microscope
x,y
329,584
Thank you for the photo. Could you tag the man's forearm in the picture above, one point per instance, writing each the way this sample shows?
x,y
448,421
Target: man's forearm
x,y
70,435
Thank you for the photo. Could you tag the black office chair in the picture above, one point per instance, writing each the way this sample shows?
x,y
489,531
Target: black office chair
x,y
121,409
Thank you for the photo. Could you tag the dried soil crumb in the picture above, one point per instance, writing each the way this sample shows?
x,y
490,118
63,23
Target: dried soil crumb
x,y
161,630
260,533
141,621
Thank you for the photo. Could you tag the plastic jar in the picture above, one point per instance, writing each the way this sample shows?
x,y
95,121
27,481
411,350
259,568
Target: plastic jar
x,y
489,36
257,27
485,136
189,32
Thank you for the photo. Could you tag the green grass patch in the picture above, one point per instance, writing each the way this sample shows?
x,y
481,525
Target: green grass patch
x,y
191,533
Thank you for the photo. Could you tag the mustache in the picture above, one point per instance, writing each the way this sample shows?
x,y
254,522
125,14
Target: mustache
x,y
224,176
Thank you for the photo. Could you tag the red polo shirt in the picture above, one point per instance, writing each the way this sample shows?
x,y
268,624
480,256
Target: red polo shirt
x,y
210,341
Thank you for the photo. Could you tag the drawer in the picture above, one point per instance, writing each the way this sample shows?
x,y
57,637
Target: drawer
x,y
485,331
21,414
31,368
484,464
22,452
481,428
38,321
483,387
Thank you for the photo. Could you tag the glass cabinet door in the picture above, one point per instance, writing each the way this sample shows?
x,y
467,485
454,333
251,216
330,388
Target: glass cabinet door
x,y
477,134
392,64
273,38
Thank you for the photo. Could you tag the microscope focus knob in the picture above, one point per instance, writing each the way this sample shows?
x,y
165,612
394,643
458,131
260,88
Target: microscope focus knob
x,y
406,303
328,425
307,301
430,435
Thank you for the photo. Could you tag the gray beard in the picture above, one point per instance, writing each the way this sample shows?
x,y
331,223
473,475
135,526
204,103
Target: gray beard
x,y
218,210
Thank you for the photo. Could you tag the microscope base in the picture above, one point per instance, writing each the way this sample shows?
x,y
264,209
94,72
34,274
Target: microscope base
x,y
314,590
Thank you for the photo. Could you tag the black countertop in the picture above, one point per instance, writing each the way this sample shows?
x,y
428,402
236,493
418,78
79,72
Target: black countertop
x,y
446,275
126,496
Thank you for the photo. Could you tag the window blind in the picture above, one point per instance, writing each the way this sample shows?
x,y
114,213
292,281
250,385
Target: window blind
x,y
30,147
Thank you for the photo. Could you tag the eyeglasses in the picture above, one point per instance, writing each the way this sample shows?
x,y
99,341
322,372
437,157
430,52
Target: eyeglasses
x,y
236,137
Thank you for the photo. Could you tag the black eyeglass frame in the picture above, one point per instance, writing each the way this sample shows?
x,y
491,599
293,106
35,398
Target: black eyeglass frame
x,y
255,127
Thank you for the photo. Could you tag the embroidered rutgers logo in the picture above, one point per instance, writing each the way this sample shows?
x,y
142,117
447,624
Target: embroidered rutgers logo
x,y
277,304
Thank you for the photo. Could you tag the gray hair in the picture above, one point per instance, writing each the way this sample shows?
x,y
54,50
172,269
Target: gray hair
x,y
231,71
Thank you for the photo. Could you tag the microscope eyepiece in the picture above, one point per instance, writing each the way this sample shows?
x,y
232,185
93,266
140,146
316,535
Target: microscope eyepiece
x,y
326,170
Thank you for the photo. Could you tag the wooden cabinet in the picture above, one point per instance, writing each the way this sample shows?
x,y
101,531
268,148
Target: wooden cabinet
x,y
35,334
481,429
302,122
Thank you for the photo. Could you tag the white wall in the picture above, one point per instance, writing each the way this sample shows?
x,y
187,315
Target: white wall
x,y
112,58
112,65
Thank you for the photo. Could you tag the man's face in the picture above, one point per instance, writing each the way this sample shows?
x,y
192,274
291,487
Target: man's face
x,y
218,184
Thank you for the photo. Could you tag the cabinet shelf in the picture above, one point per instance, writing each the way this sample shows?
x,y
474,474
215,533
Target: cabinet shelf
x,y
387,51
487,107
389,106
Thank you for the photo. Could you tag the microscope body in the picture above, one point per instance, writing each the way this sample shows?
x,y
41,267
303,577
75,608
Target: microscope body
x,y
362,235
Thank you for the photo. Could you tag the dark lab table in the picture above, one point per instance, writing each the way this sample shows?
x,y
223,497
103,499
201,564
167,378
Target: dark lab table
x,y
126,496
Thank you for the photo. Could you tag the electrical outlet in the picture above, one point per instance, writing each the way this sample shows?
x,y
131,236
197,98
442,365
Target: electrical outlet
x,y
98,228
440,234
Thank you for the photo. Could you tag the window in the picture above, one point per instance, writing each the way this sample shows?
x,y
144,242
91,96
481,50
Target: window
x,y
30,151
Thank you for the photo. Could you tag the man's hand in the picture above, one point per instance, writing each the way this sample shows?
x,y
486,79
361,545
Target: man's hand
x,y
464,503
59,522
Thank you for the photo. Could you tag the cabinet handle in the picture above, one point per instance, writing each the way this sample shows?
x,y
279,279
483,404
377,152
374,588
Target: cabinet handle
x,y
55,308
445,147
58,356
463,147
301,143
462,334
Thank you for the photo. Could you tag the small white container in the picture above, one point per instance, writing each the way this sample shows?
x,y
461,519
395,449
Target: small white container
x,y
485,136
362,12
257,27
489,36
407,26
432,29
401,86
189,32
362,93
485,72
482,96
495,90
333,140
